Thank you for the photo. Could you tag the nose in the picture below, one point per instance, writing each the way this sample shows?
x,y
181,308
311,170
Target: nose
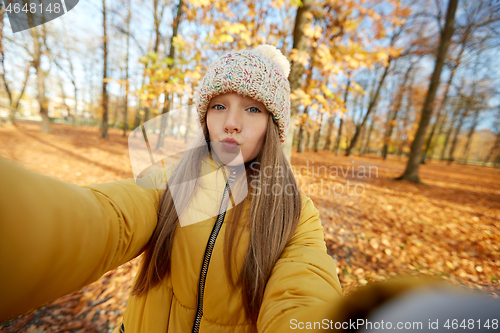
x,y
233,121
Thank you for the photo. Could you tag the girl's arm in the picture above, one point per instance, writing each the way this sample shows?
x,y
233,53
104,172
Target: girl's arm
x,y
303,286
56,237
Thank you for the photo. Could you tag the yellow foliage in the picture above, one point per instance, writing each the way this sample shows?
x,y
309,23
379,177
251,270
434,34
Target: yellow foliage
x,y
223,38
199,3
246,37
236,28
179,42
300,57
357,88
321,99
351,25
327,92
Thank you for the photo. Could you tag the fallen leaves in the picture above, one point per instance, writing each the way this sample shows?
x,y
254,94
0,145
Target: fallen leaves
x,y
449,228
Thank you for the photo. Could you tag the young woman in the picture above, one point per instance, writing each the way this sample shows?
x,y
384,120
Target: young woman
x,y
230,244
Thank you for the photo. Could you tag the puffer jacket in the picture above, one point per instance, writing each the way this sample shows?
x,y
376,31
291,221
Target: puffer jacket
x,y
57,237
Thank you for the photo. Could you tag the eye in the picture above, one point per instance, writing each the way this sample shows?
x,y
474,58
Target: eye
x,y
253,109
218,107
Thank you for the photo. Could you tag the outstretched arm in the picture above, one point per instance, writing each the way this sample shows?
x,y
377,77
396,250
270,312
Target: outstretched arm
x,y
303,286
56,237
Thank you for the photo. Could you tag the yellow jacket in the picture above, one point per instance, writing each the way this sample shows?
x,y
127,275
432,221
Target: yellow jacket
x,y
57,237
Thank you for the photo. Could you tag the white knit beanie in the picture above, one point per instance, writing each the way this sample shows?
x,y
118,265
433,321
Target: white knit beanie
x,y
260,73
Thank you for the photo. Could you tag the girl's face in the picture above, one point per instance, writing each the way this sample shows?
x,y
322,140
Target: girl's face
x,y
240,118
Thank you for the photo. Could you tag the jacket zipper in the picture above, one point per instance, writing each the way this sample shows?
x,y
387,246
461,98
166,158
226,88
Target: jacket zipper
x,y
208,252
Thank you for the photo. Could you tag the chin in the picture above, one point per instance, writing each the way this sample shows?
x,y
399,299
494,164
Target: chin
x,y
228,158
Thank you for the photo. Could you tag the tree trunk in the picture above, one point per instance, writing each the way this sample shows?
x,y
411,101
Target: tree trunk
x,y
411,172
366,148
42,100
373,101
63,95
463,115
392,119
362,139
40,73
434,142
127,84
449,131
157,17
297,69
171,55
302,136
493,149
164,122
438,117
13,104
469,136
402,143
104,126
329,131
341,122
188,119
317,134
463,43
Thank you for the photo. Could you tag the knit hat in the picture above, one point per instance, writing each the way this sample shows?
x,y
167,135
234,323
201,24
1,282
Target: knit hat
x,y
260,73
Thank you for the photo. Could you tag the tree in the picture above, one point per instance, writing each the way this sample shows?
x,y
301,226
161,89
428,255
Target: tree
x,y
395,111
341,121
127,83
411,171
104,128
171,57
472,30
374,98
39,42
495,149
302,17
13,102
371,107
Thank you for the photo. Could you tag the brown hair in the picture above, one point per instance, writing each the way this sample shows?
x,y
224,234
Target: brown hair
x,y
280,212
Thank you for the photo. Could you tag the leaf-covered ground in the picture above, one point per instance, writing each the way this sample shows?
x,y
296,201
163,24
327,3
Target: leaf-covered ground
x,y
375,227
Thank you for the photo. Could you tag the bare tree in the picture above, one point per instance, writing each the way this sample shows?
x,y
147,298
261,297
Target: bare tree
x,y
13,102
411,171
127,83
395,111
478,17
171,55
374,98
341,122
104,128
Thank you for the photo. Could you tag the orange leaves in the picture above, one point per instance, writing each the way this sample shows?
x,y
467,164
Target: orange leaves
x,y
395,228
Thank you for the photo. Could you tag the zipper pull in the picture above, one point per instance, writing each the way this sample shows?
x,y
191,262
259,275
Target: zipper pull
x,y
232,174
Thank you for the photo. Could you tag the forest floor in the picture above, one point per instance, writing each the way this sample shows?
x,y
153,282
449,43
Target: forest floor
x,y
375,228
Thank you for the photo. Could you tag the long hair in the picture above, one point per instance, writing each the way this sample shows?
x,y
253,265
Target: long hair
x,y
271,221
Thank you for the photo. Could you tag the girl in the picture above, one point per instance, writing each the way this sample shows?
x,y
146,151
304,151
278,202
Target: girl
x,y
261,267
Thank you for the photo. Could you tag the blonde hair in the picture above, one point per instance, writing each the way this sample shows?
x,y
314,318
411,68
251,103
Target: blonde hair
x,y
271,222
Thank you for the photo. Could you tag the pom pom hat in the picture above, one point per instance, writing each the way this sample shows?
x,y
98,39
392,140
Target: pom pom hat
x,y
260,73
